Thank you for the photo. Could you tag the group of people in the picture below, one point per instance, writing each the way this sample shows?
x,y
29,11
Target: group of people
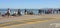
x,y
40,11
49,11
14,14
18,13
28,12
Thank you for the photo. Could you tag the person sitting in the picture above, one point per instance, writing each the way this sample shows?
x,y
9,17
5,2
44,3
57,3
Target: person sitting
x,y
3,15
14,14
31,13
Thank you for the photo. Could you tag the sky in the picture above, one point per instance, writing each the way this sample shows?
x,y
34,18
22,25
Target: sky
x,y
33,4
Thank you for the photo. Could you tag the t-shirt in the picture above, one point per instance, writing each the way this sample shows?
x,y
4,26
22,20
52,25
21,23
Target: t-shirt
x,y
9,11
21,13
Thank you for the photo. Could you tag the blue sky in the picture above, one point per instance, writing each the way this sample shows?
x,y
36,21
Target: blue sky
x,y
29,4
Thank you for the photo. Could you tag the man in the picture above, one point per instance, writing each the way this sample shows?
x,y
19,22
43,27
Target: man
x,y
8,12
19,12
39,11
59,11
25,12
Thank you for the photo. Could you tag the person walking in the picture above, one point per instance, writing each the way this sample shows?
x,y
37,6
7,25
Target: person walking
x,y
8,12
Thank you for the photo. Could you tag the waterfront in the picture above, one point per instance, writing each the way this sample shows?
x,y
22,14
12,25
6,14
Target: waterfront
x,y
35,11
37,17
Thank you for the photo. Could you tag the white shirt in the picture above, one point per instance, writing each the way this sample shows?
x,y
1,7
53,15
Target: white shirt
x,y
15,12
9,11
21,13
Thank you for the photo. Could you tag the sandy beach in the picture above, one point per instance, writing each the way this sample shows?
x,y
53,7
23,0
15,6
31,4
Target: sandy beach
x,y
27,17
44,18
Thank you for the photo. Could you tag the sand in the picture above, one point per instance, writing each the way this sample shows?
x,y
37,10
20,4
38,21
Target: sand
x,y
26,17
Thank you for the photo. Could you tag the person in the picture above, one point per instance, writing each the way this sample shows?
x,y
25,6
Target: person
x,y
0,13
31,13
59,11
25,12
19,12
8,12
39,11
55,11
49,11
14,14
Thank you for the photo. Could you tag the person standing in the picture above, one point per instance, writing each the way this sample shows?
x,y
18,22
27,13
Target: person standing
x,y
50,11
0,12
59,11
25,12
8,12
19,12
39,11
